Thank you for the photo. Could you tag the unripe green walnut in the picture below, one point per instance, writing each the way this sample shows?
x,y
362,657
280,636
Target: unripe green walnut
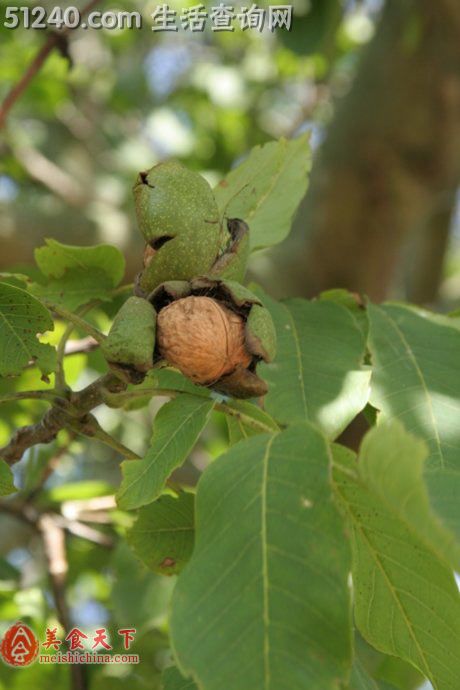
x,y
178,216
130,343
179,219
214,332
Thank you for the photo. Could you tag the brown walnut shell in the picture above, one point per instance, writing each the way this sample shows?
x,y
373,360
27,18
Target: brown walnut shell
x,y
202,338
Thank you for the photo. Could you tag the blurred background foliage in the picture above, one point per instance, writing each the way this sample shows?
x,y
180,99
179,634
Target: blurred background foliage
x,y
377,84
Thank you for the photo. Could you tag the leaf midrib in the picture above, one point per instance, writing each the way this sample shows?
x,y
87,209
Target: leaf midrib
x,y
265,579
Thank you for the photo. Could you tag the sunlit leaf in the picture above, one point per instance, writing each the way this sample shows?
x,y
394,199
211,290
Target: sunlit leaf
x,y
6,480
55,259
78,491
77,275
416,379
406,600
266,189
318,373
21,318
264,601
74,289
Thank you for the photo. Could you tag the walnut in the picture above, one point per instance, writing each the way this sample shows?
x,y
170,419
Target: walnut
x,y
202,338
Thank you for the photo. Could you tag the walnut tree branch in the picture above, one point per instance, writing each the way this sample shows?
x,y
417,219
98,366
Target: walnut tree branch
x,y
54,40
59,417
53,536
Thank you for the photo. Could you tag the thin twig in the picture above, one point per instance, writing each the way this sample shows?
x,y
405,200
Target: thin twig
x,y
50,467
89,426
53,536
81,346
53,41
26,512
79,529
45,395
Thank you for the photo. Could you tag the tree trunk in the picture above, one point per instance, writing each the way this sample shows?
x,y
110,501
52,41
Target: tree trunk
x,y
391,153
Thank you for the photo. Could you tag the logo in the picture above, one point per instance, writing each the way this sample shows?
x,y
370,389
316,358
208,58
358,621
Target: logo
x,y
19,645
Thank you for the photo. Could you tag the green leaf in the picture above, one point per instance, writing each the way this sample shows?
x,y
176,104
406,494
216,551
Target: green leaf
x,y
21,318
74,289
318,373
416,379
163,534
171,379
16,279
8,573
176,429
77,275
406,600
351,301
266,189
264,600
391,465
398,674
361,680
244,422
77,491
55,259
6,480
172,679
138,595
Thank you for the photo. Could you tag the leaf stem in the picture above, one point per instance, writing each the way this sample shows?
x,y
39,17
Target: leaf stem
x,y
108,440
119,399
128,287
244,418
61,350
48,396
89,426
77,321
